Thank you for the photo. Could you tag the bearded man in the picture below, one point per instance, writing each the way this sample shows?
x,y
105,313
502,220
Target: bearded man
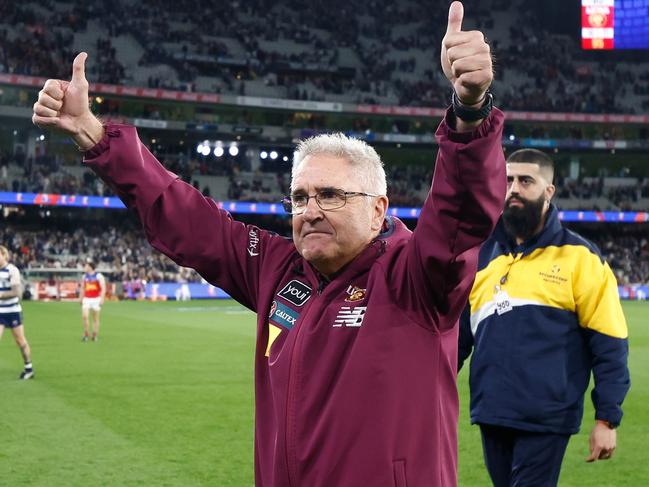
x,y
543,313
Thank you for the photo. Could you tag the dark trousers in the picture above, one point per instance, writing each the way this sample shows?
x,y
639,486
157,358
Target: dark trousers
x,y
517,458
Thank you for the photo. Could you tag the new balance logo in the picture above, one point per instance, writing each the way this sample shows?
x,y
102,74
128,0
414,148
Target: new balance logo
x,y
350,316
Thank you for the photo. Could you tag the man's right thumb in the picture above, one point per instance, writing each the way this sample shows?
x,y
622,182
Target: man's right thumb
x,y
455,16
79,67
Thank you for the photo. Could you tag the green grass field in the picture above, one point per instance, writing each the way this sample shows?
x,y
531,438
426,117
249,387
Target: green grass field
x,y
165,398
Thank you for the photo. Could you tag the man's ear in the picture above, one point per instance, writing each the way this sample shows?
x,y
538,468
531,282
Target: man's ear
x,y
549,192
378,212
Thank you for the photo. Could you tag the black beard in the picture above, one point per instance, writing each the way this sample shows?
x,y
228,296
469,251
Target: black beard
x,y
522,222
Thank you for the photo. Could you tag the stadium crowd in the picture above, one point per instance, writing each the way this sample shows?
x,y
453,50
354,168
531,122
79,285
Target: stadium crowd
x,y
628,256
44,174
122,252
407,185
126,254
622,196
378,52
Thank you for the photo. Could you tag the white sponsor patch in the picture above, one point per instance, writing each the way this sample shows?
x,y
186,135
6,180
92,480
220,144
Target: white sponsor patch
x,y
296,292
253,242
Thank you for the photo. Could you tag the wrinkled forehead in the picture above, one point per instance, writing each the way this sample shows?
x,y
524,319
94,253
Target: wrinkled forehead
x,y
319,171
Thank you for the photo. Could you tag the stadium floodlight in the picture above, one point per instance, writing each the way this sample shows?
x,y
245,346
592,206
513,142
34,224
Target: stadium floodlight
x,y
273,155
218,151
263,154
233,150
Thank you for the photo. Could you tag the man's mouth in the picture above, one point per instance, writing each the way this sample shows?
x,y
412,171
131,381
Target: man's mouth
x,y
518,202
314,232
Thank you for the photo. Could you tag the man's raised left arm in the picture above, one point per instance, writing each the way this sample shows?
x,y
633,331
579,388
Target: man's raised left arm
x,y
468,189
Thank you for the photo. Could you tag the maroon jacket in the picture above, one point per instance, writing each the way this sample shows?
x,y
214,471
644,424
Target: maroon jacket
x,y
354,378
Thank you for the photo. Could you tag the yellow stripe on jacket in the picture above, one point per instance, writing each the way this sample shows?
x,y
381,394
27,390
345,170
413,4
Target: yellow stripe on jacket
x,y
560,277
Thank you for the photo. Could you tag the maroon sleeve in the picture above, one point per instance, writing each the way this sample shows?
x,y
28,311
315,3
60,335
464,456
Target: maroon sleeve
x,y
179,221
465,201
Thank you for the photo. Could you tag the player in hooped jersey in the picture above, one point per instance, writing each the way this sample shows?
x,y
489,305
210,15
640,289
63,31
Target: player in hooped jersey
x,y
11,311
93,291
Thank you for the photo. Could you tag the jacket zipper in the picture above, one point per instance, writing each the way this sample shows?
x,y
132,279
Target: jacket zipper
x,y
290,400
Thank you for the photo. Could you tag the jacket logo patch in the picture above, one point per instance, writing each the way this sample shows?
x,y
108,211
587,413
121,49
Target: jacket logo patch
x,y
553,276
355,293
253,242
295,292
350,316
282,315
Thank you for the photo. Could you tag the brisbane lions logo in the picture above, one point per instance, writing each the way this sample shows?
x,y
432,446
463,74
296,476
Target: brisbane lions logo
x,y
355,294
597,19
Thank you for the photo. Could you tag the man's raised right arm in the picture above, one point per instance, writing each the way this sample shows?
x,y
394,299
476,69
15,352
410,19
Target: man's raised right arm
x,y
178,220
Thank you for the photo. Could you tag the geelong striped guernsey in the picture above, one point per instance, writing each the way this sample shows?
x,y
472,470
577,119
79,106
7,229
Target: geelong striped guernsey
x,y
8,275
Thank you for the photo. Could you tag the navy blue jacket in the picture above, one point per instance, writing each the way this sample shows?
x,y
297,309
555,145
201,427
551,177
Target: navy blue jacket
x,y
541,317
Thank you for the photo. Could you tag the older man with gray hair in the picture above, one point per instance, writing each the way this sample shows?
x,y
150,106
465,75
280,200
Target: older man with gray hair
x,y
356,354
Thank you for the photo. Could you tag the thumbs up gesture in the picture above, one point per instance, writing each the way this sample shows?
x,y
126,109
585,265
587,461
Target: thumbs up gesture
x,y
466,59
63,105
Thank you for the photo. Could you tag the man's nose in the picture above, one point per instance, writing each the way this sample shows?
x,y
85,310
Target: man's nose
x,y
311,210
513,187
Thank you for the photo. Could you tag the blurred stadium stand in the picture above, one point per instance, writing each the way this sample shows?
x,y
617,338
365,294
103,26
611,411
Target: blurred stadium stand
x,y
200,79
379,52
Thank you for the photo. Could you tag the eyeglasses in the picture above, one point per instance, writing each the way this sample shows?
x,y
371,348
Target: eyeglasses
x,y
327,199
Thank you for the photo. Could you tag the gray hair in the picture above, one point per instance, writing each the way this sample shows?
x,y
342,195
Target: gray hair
x,y
357,152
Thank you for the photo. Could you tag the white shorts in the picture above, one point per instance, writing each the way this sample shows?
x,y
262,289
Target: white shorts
x,y
91,303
